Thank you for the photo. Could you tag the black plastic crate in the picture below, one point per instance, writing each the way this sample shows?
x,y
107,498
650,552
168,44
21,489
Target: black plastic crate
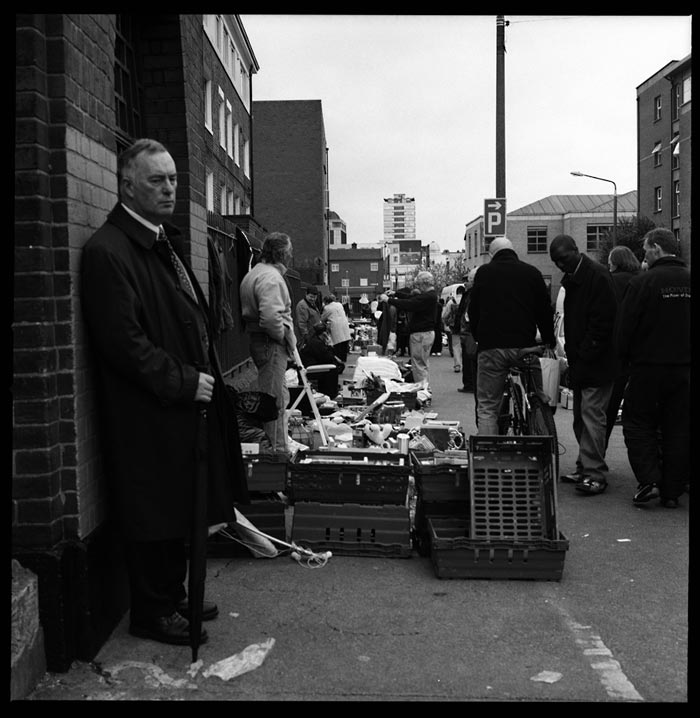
x,y
266,472
455,555
353,529
267,516
512,484
438,480
434,509
349,476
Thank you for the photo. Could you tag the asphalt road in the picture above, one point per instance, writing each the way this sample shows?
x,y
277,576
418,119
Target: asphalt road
x,y
613,629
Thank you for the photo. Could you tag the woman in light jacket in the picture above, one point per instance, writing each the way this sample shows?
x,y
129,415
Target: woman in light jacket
x,y
336,321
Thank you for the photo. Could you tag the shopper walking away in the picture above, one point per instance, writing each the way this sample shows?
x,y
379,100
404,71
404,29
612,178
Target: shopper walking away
x,y
508,303
335,319
449,314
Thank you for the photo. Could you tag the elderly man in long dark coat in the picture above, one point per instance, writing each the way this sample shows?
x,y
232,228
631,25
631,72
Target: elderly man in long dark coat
x,y
159,385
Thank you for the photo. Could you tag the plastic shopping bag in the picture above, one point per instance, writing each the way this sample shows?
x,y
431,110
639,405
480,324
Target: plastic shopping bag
x,y
391,343
550,376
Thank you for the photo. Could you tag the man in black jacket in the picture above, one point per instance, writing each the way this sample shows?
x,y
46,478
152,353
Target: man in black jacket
x,y
159,388
422,307
590,307
508,303
653,335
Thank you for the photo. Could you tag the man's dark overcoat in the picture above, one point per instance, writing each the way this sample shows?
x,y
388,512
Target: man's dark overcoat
x,y
147,339
590,308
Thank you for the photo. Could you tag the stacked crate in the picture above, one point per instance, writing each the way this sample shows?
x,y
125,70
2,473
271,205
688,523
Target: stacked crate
x,y
351,502
441,491
512,531
266,475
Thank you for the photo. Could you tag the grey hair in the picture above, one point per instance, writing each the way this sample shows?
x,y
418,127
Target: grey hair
x,y
274,247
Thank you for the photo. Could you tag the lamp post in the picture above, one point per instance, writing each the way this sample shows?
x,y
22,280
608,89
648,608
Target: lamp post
x,y
602,179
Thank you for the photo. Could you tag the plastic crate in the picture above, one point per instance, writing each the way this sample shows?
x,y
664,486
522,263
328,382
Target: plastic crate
x,y
266,472
350,476
434,509
512,485
353,529
267,516
437,481
455,555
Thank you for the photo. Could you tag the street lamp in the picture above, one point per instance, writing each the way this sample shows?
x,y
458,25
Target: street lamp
x,y
602,179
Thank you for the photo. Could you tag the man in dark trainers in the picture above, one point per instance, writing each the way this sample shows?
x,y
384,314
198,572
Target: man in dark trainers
x,y
653,335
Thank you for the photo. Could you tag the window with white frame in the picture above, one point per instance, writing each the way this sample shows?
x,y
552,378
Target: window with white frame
x,y
536,240
658,194
207,106
657,107
675,152
210,191
222,198
222,119
229,129
226,49
656,154
237,205
236,143
363,282
246,158
676,199
230,203
373,266
596,235
335,267
686,89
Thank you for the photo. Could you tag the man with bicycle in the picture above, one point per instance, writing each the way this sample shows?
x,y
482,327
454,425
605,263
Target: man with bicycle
x,y
509,304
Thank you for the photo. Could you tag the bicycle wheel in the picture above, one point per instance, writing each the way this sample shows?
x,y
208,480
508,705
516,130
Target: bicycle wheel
x,y
540,422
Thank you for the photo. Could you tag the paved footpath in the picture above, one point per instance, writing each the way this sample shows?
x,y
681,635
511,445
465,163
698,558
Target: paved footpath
x,y
613,629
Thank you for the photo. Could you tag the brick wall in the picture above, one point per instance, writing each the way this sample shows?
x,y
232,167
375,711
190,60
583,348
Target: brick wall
x,y
289,147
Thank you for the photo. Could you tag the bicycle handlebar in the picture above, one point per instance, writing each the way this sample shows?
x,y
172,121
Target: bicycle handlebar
x,y
538,350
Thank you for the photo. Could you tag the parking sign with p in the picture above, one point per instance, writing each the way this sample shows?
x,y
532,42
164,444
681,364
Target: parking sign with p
x,y
495,217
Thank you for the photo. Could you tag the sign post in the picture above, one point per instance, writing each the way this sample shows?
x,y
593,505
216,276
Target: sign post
x,y
495,217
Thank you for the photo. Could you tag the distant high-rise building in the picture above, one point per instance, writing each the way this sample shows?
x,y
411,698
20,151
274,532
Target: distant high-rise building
x,y
338,230
399,218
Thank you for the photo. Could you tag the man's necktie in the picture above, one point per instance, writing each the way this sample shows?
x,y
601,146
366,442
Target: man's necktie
x,y
185,282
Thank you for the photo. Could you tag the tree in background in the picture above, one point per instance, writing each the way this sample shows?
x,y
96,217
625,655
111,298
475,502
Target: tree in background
x,y
630,233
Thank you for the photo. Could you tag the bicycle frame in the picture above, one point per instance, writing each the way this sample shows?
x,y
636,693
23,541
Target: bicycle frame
x,y
519,393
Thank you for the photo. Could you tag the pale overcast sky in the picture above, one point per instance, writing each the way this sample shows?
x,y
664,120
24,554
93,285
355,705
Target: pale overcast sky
x,y
409,105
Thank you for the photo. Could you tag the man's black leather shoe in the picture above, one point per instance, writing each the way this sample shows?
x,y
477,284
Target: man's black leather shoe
x,y
644,493
174,629
209,610
572,478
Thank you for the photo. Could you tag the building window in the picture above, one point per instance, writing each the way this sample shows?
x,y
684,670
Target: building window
x,y
237,205
677,100
335,267
343,238
229,129
128,91
595,236
246,158
236,143
657,108
222,119
656,154
218,33
207,106
210,191
222,198
227,45
686,90
230,204
675,154
363,282
344,282
676,199
536,240
659,197
373,266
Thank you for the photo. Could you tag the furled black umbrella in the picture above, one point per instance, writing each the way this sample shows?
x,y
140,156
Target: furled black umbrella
x,y
198,535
